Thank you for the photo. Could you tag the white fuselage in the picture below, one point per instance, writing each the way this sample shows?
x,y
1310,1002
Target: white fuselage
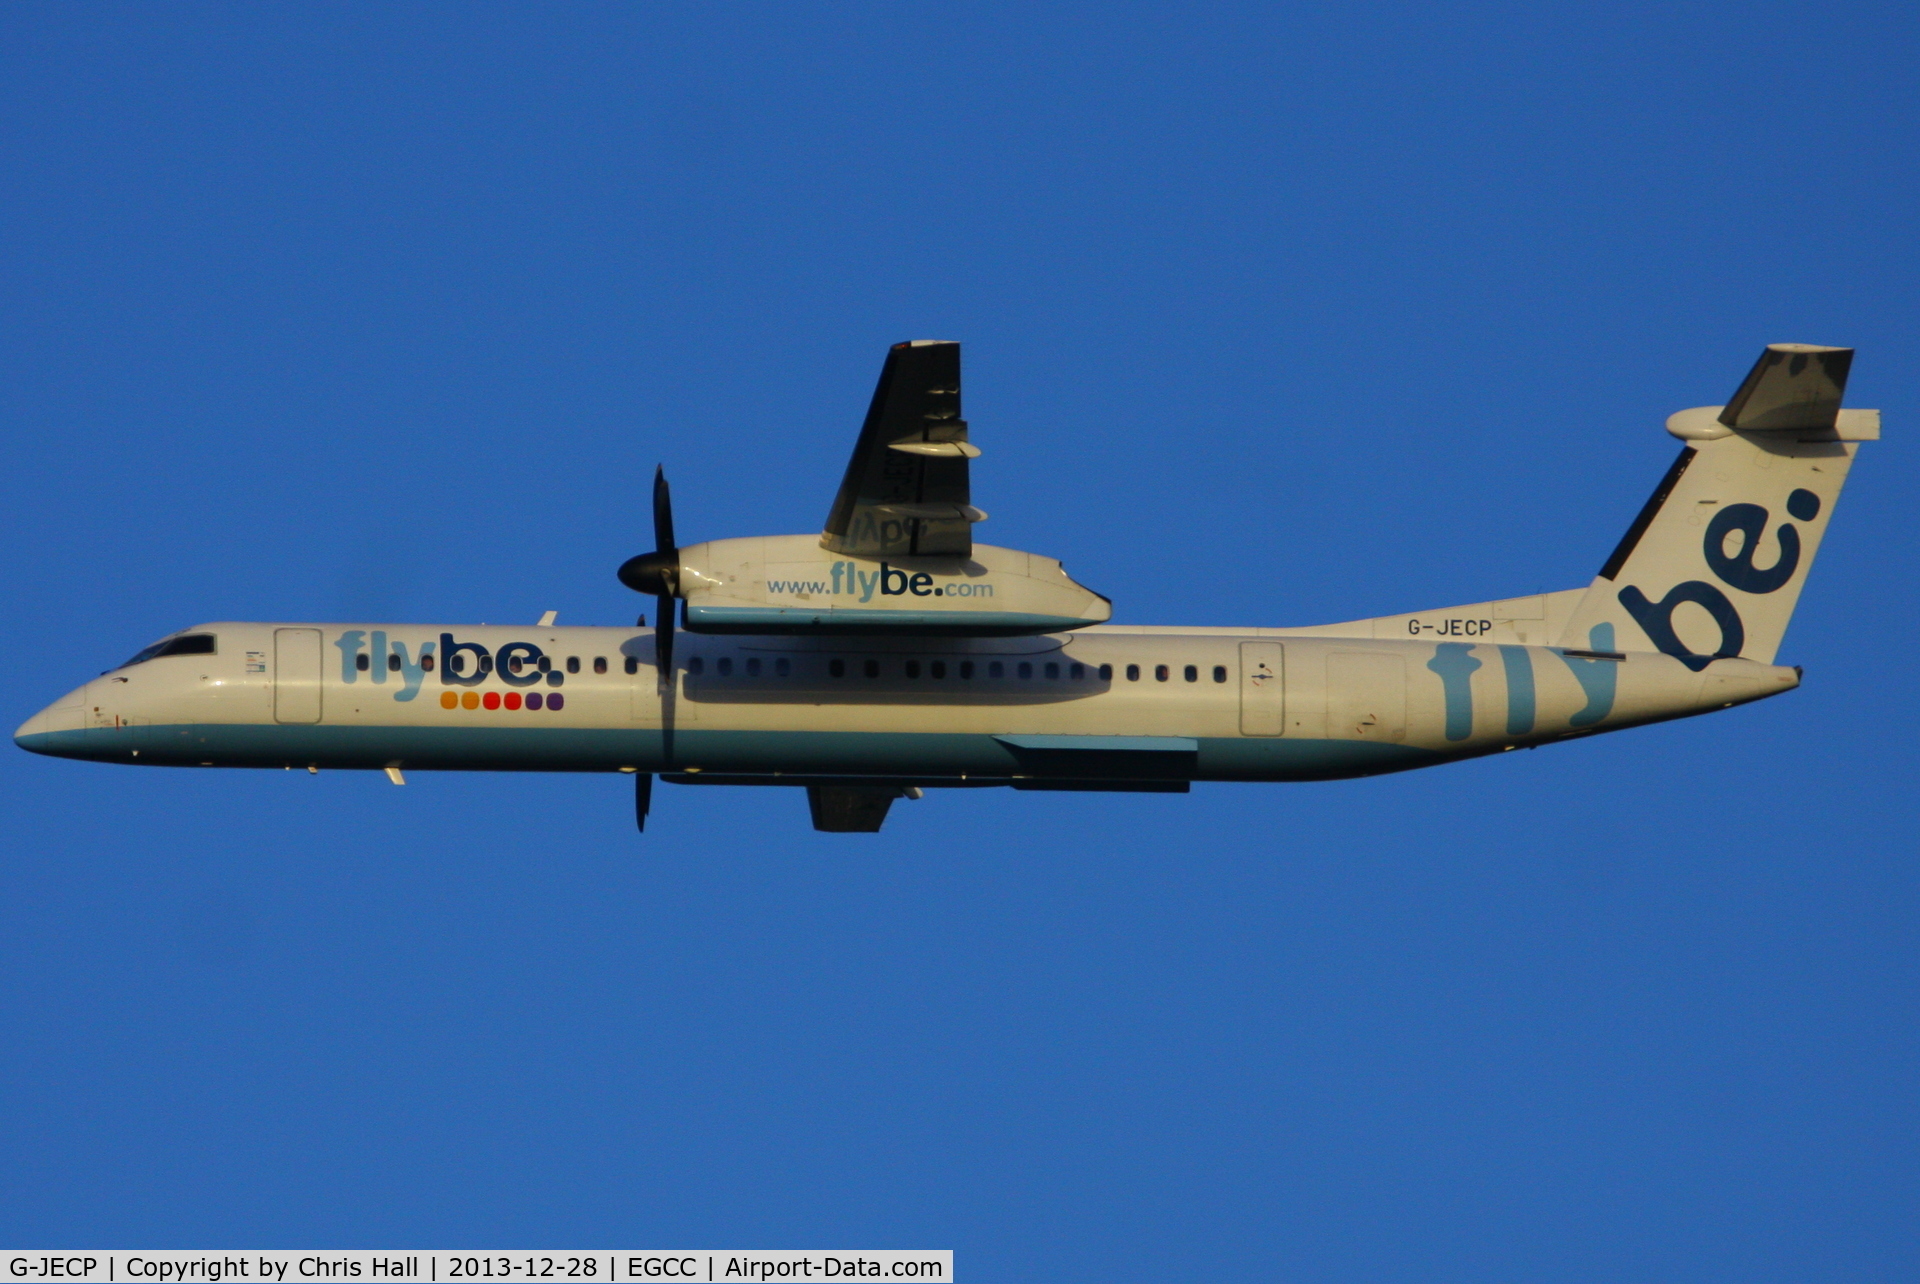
x,y
1107,703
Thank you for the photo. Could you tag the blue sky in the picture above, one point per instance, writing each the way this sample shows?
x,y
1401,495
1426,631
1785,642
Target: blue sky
x,y
1274,315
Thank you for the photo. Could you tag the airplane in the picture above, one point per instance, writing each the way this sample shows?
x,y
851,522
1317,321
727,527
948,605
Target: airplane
x,y
892,654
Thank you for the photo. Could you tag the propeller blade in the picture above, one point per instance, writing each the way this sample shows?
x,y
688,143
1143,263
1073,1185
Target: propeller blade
x,y
642,799
663,541
663,641
657,572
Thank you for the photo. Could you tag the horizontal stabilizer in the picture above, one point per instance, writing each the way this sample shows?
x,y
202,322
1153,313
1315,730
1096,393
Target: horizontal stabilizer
x,y
1792,386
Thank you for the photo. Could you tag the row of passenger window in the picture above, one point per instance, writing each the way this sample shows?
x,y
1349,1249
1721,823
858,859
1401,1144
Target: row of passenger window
x,y
965,670
937,670
515,663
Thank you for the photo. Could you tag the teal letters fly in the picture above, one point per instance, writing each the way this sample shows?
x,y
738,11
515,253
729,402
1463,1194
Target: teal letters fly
x,y
1455,664
1598,678
1520,701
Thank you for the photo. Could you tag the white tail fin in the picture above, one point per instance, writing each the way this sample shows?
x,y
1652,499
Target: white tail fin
x,y
1714,564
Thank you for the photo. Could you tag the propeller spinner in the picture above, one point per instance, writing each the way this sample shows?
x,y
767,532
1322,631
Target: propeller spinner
x,y
658,573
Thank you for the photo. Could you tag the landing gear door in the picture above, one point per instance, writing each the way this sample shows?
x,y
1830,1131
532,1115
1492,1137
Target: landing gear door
x,y
1263,689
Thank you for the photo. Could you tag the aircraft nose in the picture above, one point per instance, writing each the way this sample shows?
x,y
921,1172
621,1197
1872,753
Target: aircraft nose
x,y
56,729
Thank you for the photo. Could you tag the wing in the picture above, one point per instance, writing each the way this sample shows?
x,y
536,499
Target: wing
x,y
907,486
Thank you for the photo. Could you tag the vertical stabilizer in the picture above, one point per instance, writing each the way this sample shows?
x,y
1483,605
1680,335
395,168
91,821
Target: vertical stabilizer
x,y
1713,565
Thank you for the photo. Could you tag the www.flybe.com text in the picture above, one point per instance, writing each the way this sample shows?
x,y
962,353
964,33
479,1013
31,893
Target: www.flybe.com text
x,y
846,579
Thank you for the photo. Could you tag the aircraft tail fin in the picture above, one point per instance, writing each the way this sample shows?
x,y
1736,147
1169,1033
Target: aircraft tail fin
x,y
1713,565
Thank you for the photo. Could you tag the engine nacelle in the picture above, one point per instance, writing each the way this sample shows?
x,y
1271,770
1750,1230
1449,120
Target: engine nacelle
x,y
790,584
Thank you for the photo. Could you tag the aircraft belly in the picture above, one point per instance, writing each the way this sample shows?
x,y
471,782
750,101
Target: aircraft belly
x,y
918,754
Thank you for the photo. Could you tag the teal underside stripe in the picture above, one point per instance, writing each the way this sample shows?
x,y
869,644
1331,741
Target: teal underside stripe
x,y
782,619
652,749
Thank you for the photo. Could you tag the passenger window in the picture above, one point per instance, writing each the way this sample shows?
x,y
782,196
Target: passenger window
x,y
753,667
599,664
393,662
939,668
457,663
872,668
486,664
697,665
1053,670
1193,673
838,668
1077,672
573,664
543,664
632,665
1219,673
995,669
363,662
1106,673
782,667
725,666
966,668
1133,673
1026,670
426,661
514,662
1161,673
913,668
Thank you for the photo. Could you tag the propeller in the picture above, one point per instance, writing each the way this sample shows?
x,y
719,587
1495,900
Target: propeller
x,y
658,573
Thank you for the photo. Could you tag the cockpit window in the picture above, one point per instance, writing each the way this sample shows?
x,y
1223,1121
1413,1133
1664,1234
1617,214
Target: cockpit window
x,y
186,644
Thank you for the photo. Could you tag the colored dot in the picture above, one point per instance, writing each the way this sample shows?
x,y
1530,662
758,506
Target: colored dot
x,y
556,700
533,700
470,700
1804,504
937,593
449,700
491,699
513,699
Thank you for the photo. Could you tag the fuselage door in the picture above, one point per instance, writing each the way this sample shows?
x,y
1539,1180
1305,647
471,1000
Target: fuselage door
x,y
296,675
1263,698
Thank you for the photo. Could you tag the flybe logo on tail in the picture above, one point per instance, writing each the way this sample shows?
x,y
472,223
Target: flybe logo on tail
x,y
1736,570
846,579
